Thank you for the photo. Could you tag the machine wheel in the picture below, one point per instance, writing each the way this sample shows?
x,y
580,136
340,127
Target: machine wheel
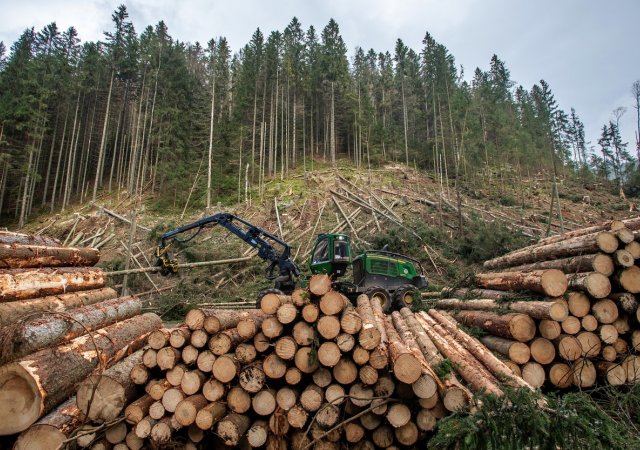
x,y
264,292
404,296
382,294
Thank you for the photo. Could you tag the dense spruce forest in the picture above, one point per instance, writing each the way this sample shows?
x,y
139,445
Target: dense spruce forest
x,y
147,113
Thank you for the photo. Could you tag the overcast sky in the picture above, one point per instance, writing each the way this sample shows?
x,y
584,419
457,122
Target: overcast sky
x,y
587,50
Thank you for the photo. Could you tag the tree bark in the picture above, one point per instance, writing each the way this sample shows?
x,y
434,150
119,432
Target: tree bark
x,y
550,282
101,398
369,336
50,432
20,256
36,384
517,352
478,350
22,284
404,364
603,241
28,337
10,238
11,312
469,369
598,262
511,326
553,310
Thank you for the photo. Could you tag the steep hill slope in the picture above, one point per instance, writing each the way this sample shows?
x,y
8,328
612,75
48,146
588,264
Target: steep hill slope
x,y
448,228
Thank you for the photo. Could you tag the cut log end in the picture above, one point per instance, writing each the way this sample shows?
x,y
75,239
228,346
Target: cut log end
x,y
554,282
22,399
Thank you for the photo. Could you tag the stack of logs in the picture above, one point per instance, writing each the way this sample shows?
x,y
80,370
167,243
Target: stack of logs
x,y
309,370
60,327
588,326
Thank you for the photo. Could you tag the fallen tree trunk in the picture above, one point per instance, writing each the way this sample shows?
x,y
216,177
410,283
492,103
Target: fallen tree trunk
x,y
429,383
454,396
594,283
511,326
101,398
517,352
22,284
598,262
369,336
10,237
603,241
24,338
553,310
404,364
632,224
479,351
20,256
550,282
34,385
11,312
481,293
469,369
50,432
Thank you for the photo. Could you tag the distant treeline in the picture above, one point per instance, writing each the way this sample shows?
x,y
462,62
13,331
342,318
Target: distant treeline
x,y
148,113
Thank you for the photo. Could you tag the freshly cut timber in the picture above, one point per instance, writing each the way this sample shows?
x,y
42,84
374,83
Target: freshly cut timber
x,y
28,337
554,310
225,319
479,351
271,301
11,312
429,383
109,392
632,224
379,356
319,284
480,293
369,336
333,302
517,352
10,237
21,256
550,282
455,396
593,283
629,279
34,385
406,366
598,262
625,300
22,284
602,241
469,369
50,432
579,304
232,427
511,326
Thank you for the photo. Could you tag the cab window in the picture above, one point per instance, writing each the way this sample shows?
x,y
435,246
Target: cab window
x,y
321,253
340,251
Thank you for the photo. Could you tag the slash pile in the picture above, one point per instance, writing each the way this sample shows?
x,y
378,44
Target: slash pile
x,y
60,327
586,329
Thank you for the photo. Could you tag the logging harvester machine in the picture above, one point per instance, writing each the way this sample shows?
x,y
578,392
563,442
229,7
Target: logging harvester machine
x,y
393,278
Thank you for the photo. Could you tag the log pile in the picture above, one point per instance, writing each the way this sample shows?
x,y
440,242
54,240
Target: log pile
x,y
61,331
309,370
586,328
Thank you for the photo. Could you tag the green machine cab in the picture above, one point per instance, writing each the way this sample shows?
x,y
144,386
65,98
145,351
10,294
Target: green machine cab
x,y
393,278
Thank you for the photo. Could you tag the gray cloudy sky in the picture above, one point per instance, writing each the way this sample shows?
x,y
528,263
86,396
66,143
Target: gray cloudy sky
x,y
587,50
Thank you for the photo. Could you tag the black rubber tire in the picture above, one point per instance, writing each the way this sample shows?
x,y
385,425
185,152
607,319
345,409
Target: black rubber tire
x,y
382,294
264,292
404,296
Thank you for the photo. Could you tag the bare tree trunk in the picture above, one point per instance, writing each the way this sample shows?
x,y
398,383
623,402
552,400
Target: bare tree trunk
x,y
333,128
210,158
101,150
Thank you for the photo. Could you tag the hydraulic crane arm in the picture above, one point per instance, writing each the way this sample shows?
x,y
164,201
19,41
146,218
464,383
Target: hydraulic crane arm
x,y
249,233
